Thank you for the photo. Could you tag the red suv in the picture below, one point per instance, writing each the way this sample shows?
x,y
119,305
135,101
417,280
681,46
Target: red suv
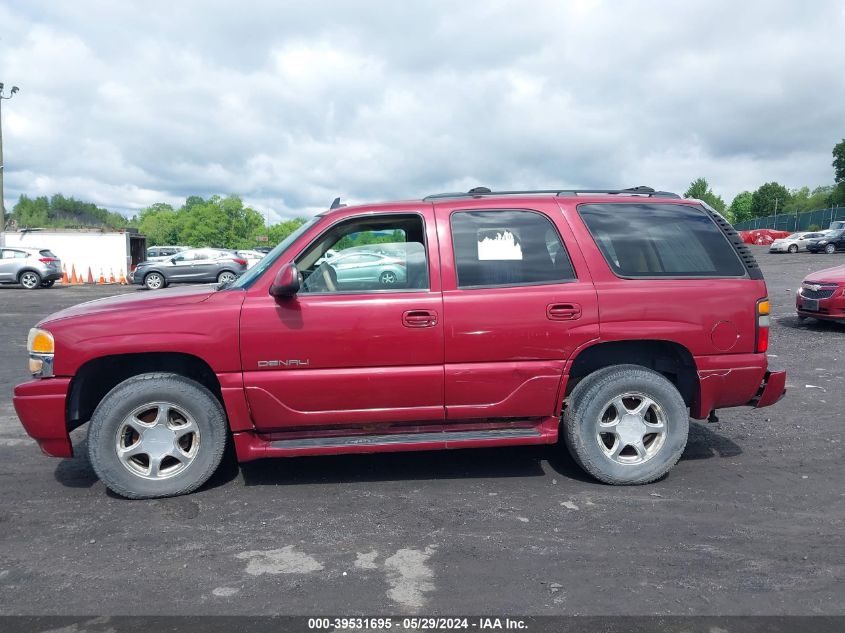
x,y
607,317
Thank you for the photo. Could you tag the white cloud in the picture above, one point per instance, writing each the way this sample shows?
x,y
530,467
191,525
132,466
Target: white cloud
x,y
290,104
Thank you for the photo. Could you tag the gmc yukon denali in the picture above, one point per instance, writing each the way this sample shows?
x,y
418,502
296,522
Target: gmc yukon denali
x,y
605,319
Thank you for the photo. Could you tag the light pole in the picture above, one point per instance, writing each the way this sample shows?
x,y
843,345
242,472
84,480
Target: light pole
x,y
2,171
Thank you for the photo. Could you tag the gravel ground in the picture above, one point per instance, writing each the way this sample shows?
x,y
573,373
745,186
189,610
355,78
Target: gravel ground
x,y
749,522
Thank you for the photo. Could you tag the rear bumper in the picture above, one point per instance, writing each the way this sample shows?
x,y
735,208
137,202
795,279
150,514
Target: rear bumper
x,y
735,380
771,390
40,405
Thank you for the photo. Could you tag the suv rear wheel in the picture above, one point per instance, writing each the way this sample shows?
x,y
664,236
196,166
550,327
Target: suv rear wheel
x,y
626,425
30,280
156,435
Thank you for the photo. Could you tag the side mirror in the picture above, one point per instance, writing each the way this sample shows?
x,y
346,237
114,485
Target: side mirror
x,y
287,282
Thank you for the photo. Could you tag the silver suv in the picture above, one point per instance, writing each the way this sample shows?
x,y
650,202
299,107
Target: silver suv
x,y
30,267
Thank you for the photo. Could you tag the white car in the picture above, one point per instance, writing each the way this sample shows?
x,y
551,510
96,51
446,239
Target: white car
x,y
795,242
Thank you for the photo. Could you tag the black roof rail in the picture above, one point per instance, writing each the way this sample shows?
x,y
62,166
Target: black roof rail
x,y
478,192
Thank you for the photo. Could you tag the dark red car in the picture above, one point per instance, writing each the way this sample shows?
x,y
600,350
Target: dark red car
x,y
822,295
605,317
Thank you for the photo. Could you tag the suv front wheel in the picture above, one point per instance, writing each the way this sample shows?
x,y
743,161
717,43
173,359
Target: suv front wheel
x,y
626,425
157,435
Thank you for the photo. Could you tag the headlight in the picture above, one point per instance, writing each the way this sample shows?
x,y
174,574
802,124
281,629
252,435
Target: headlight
x,y
41,347
822,241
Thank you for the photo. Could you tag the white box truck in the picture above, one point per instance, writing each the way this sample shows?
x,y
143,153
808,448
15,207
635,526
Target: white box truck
x,y
105,253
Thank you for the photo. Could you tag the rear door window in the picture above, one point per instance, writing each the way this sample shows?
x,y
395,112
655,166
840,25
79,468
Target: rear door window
x,y
660,240
508,247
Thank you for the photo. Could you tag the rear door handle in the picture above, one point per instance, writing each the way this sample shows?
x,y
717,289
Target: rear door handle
x,y
563,311
419,318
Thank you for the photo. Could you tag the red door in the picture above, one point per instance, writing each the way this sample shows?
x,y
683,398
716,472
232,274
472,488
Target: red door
x,y
354,354
516,305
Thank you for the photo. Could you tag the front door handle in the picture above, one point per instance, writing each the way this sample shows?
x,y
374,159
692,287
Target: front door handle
x,y
419,318
563,311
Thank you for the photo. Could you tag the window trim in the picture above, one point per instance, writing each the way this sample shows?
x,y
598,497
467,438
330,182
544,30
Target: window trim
x,y
371,214
458,286
674,276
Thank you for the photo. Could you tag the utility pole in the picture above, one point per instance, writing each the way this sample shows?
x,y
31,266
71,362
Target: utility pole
x,y
2,165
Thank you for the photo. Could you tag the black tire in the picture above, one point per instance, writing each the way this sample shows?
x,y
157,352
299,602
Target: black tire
x,y
588,402
138,391
221,278
155,281
30,280
48,284
830,249
387,278
793,249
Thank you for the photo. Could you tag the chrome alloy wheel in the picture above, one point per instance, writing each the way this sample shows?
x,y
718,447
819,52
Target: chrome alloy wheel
x,y
157,440
388,278
154,281
226,277
30,280
631,429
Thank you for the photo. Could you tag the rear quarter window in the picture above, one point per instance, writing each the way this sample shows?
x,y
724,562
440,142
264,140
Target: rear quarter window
x,y
660,240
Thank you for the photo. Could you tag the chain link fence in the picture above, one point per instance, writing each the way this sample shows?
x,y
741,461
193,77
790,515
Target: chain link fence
x,y
791,222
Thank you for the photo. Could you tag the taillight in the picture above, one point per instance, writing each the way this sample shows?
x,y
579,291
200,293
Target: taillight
x,y
47,260
762,341
242,262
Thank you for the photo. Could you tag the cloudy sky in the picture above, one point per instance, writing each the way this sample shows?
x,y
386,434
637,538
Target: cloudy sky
x,y
292,103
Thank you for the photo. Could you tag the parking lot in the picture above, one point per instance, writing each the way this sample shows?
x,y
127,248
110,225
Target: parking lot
x,y
749,522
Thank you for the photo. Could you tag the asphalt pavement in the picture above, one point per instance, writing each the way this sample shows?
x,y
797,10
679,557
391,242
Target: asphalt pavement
x,y
750,521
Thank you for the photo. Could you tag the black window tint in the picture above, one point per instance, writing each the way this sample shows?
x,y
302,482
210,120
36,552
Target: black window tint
x,y
506,248
660,240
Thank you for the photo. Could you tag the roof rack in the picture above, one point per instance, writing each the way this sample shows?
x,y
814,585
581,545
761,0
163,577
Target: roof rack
x,y
478,192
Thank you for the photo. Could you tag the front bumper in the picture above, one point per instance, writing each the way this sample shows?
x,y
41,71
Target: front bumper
x,y
40,405
778,248
832,308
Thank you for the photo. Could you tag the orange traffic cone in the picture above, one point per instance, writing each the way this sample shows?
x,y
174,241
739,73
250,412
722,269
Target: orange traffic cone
x,y
122,278
73,279
90,277
101,279
111,275
64,275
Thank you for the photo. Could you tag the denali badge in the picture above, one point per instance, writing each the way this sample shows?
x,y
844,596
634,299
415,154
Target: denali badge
x,y
283,363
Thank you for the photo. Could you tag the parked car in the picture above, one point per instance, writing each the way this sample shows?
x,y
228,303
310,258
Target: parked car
x,y
197,265
821,295
605,319
157,253
830,243
251,257
794,243
30,267
356,266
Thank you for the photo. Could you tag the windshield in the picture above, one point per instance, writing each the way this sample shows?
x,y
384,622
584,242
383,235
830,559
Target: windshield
x,y
246,280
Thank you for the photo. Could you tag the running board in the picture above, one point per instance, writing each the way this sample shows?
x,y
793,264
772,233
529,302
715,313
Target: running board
x,y
406,438
250,445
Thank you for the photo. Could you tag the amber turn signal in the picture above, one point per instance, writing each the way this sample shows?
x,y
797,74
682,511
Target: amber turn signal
x,y
40,342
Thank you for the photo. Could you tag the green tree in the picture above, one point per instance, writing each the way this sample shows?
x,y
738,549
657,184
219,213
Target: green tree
x,y
700,190
740,209
839,162
221,222
161,224
280,231
768,199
